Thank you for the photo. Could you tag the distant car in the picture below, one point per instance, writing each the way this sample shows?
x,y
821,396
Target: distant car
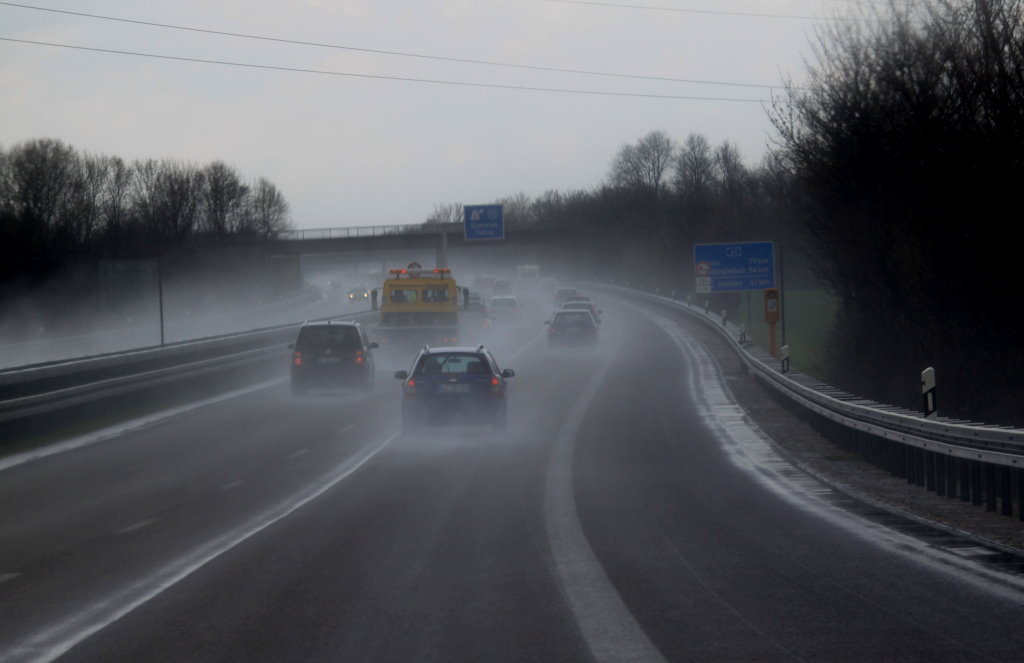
x,y
570,327
562,293
454,385
483,283
331,355
502,287
582,303
360,294
505,308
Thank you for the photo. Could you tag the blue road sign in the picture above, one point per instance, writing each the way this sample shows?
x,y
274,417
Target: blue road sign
x,y
734,267
484,222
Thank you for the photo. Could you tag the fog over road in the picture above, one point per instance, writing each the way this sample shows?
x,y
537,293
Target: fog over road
x,y
628,513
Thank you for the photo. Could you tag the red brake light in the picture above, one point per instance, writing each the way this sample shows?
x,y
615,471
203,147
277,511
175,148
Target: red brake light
x,y
359,358
297,358
495,386
410,387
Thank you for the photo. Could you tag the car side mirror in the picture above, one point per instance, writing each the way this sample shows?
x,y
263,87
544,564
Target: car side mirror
x,y
508,373
401,375
374,345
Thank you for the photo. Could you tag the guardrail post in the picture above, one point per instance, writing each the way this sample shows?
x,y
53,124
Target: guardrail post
x,y
1006,490
784,358
975,483
990,487
951,463
965,479
940,474
707,306
929,471
725,317
1020,493
743,334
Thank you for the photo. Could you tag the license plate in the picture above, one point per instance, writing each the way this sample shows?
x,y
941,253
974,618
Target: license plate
x,y
454,388
330,360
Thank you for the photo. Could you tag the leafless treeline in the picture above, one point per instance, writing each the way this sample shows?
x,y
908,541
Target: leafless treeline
x,y
906,153
56,202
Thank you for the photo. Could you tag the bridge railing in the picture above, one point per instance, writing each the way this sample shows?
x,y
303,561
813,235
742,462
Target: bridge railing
x,y
366,231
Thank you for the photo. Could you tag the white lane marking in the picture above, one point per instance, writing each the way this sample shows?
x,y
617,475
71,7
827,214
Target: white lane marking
x,y
4,577
137,526
126,427
57,639
529,344
750,449
346,428
609,628
231,486
297,454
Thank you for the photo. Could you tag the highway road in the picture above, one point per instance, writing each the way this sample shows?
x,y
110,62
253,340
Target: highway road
x,y
630,513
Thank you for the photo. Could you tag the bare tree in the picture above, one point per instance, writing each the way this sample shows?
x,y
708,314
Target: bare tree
x,y
224,200
168,198
695,168
268,209
445,214
517,210
643,166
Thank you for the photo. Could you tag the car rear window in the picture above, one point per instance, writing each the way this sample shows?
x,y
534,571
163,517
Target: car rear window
x,y
455,363
314,339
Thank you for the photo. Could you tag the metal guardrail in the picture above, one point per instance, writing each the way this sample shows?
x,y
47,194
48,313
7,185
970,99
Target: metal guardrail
x,y
37,389
967,460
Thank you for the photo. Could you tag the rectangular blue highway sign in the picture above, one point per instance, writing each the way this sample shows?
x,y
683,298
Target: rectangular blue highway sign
x,y
734,267
484,222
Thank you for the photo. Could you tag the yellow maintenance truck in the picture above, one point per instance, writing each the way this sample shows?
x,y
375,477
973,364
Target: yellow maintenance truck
x,y
419,306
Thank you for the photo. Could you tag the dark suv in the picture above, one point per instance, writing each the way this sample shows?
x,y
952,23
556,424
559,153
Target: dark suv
x,y
454,385
332,354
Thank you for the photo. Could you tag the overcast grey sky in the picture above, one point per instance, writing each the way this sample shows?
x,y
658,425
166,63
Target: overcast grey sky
x,y
356,150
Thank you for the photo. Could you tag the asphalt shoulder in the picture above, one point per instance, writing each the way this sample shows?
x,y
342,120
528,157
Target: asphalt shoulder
x,y
799,442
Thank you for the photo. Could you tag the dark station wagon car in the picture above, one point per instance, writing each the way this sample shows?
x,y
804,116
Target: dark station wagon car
x,y
330,355
572,327
454,385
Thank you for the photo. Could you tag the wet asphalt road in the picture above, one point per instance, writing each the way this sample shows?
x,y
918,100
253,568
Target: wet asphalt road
x,y
628,513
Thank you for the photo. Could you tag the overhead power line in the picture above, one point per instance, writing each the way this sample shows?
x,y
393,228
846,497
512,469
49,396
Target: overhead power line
x,y
718,12
528,88
681,10
440,58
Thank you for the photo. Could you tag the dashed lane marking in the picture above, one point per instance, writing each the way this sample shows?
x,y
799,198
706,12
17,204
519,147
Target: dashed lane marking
x,y
136,526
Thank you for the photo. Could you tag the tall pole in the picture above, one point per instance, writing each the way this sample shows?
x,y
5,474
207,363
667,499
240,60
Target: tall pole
x,y
782,290
160,297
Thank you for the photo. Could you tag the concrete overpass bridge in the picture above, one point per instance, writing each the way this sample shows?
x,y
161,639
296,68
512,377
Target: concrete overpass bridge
x,y
378,248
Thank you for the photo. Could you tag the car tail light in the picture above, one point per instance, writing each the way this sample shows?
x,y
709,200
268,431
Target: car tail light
x,y
410,387
552,330
359,358
297,358
495,386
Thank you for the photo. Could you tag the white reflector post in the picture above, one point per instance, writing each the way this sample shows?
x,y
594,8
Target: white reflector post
x,y
931,410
